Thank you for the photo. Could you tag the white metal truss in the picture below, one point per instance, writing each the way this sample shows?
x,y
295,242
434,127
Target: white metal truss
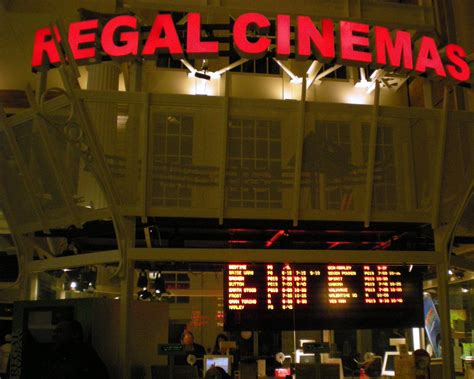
x,y
79,260
69,74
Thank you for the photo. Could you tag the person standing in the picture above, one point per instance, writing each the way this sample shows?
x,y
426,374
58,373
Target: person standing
x,y
191,348
218,350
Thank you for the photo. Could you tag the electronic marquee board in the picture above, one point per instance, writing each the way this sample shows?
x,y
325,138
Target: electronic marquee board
x,y
281,296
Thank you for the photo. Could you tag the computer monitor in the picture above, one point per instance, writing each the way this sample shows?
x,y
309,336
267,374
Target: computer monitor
x,y
388,367
303,341
222,361
397,342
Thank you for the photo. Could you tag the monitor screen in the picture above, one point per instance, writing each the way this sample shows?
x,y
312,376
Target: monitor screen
x,y
280,296
222,361
388,367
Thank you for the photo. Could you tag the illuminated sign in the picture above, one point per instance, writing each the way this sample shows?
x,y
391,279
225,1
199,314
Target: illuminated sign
x,y
345,42
315,296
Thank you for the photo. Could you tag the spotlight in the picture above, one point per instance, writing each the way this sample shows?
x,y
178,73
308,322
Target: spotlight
x,y
142,280
159,285
200,75
91,287
450,272
464,290
73,285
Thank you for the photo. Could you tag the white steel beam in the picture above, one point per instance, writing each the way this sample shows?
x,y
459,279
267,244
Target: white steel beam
x,y
40,250
278,255
317,80
59,172
313,72
299,153
196,293
371,156
231,66
99,164
294,78
79,260
223,156
188,65
461,262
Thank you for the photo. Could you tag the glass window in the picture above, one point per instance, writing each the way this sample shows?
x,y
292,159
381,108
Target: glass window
x,y
254,162
172,157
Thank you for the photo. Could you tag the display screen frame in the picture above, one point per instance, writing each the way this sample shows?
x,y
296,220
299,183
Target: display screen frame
x,y
338,316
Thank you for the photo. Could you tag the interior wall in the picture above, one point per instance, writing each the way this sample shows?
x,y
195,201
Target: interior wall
x,y
148,328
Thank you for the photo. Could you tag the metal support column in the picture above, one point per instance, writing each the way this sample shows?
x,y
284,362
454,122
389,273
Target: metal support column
x,y
126,288
299,153
443,295
225,127
371,156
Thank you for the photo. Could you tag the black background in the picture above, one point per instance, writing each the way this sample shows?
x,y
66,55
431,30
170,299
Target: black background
x,y
318,313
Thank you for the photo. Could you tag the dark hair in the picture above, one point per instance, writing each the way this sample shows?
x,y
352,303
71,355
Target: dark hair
x,y
216,344
216,372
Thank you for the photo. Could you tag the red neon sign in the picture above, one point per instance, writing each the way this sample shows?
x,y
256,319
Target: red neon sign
x,y
311,41
128,39
358,43
393,50
195,47
247,49
157,44
351,44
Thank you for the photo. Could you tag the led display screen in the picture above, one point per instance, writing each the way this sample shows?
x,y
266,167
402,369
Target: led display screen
x,y
281,296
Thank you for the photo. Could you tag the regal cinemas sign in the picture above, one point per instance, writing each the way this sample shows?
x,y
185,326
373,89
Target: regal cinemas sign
x,y
344,42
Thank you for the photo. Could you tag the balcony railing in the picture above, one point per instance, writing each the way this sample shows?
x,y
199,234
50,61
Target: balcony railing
x,y
168,161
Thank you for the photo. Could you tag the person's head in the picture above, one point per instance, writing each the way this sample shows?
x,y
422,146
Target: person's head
x,y
216,372
220,338
67,333
187,338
